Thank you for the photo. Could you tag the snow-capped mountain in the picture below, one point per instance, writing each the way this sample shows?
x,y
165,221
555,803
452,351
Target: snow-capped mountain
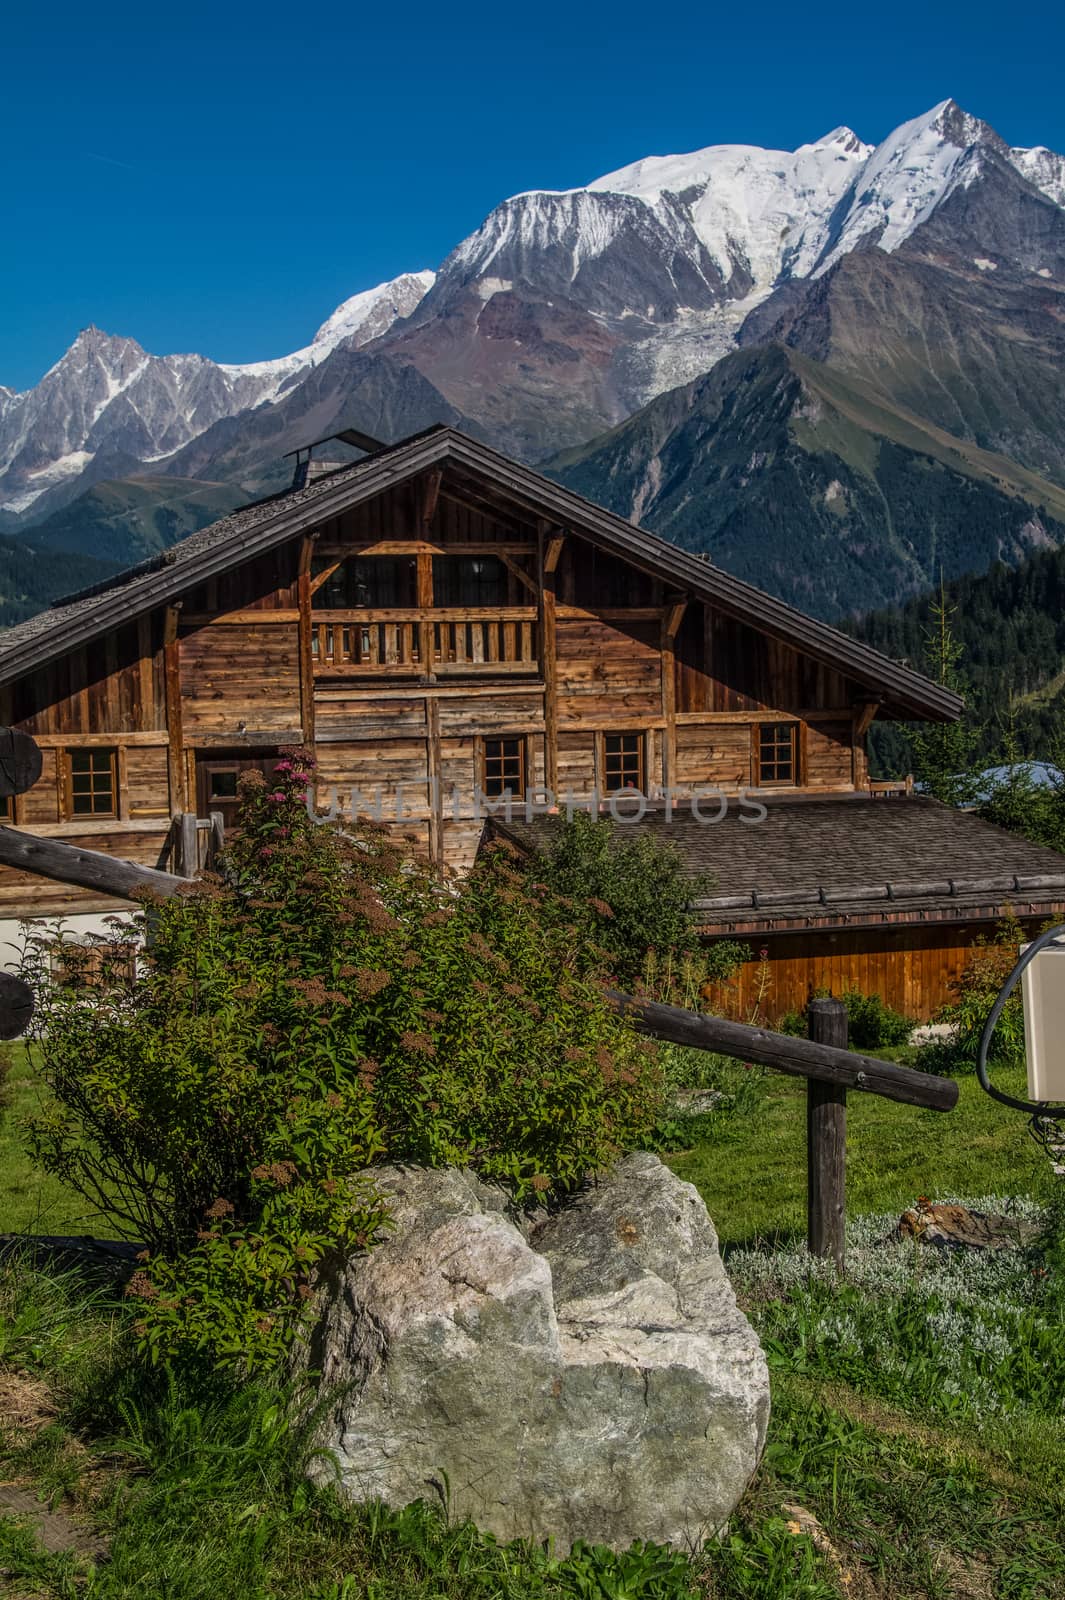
x,y
108,407
567,310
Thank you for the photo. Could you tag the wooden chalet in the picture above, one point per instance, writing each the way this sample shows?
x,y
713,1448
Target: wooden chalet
x,y
435,621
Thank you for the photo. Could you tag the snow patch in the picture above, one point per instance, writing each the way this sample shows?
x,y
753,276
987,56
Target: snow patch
x,y
984,264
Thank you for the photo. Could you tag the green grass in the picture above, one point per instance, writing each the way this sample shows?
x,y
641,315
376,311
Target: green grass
x,y
915,1450
30,1200
753,1177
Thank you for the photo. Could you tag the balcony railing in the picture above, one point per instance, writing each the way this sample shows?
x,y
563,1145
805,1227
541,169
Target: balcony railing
x,y
459,640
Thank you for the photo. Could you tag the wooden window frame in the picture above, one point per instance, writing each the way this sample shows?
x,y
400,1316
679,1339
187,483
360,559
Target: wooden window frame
x,y
94,753
796,732
223,764
7,808
640,735
483,758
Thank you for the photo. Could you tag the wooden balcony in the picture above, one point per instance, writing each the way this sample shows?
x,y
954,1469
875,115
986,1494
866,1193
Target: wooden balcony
x,y
459,641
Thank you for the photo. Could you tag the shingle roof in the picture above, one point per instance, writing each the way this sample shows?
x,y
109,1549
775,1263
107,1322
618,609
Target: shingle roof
x,y
259,527
842,857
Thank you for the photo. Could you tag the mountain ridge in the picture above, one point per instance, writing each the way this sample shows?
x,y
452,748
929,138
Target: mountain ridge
x,y
919,286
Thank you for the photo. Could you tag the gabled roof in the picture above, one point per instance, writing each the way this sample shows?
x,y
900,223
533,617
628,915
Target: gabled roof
x,y
257,528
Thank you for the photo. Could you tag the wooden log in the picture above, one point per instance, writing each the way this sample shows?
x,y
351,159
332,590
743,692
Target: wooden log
x,y
217,837
826,1140
306,624
89,869
802,1058
172,682
186,851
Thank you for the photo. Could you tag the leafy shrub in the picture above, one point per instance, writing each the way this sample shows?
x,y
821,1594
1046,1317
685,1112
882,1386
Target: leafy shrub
x,y
328,1007
974,993
871,1023
626,891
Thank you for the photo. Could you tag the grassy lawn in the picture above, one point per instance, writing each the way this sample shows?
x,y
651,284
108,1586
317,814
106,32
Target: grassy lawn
x,y
30,1200
753,1176
915,1452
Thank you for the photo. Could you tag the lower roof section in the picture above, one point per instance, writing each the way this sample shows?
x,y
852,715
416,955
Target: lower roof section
x,y
840,862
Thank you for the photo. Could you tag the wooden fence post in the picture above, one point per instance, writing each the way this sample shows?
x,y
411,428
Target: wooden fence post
x,y
826,1140
186,844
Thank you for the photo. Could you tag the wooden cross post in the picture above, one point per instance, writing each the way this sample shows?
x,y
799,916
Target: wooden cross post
x,y
826,1140
20,767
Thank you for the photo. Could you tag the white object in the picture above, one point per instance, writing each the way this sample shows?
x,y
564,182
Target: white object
x,y
1043,995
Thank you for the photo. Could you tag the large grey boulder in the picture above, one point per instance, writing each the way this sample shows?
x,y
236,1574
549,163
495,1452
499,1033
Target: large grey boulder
x,y
589,1376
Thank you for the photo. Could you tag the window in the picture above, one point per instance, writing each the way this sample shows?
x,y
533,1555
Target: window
x,y
778,760
503,767
221,782
623,762
370,583
92,786
7,808
469,581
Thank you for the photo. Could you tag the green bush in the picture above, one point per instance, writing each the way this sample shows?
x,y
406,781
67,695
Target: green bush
x,y
627,892
871,1023
328,1007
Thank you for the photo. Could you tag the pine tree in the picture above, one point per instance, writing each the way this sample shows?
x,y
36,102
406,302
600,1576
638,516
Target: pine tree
x,y
944,752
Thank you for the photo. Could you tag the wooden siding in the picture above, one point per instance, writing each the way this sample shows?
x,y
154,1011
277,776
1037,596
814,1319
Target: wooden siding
x,y
247,674
912,967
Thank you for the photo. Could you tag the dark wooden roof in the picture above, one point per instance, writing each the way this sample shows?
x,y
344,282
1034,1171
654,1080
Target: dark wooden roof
x,y
253,529
842,859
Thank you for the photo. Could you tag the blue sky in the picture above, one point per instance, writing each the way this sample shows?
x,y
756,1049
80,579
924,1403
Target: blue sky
x,y
219,178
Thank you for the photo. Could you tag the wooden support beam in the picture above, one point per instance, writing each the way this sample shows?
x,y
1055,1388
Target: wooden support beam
x,y
826,1140
175,765
432,547
216,838
667,643
145,707
88,741
523,577
553,551
323,577
863,718
430,494
609,613
425,601
306,658
549,654
802,1058
436,797
89,869
122,774
185,848
206,619
674,616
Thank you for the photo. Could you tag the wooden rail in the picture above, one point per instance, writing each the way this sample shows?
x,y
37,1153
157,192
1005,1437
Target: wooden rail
x,y
463,638
830,1069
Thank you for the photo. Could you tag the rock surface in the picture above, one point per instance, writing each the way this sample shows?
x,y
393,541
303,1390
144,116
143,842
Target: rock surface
x,y
587,1376
956,1228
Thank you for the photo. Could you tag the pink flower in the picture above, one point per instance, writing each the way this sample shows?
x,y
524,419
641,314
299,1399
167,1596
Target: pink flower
x,y
278,798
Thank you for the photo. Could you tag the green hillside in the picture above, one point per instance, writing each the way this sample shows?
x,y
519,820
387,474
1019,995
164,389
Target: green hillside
x,y
31,579
810,485
124,520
